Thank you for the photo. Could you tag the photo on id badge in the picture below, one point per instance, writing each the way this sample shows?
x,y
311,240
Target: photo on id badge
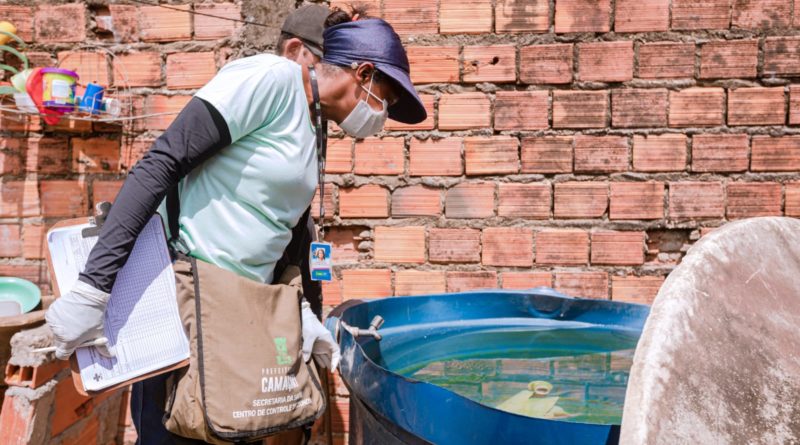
x,y
320,261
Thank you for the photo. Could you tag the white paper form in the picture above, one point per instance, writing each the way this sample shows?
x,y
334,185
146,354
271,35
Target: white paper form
x,y
142,321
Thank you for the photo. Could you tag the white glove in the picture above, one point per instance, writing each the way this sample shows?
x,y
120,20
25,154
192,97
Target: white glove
x,y
76,318
318,341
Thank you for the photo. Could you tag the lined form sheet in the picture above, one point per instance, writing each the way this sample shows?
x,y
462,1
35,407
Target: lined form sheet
x,y
142,321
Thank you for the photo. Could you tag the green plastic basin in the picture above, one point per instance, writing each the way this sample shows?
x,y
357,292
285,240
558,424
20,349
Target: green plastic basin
x,y
22,291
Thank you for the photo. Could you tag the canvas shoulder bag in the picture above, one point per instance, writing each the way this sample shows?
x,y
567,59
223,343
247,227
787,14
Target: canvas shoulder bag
x,y
246,377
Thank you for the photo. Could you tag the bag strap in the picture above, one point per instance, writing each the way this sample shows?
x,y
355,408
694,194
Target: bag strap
x,y
175,244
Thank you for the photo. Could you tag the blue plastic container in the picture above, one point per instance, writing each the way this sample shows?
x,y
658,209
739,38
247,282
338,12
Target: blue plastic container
x,y
390,406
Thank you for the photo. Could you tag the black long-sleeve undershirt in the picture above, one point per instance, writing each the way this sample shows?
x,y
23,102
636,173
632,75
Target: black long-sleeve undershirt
x,y
197,133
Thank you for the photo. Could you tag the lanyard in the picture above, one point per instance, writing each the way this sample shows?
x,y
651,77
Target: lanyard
x,y
322,146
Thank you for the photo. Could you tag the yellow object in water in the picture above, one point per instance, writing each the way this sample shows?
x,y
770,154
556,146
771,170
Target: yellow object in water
x,y
7,27
533,403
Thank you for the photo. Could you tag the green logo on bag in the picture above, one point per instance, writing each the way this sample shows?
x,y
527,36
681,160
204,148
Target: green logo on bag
x,y
283,353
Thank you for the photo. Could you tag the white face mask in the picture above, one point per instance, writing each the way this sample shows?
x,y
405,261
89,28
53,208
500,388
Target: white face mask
x,y
363,121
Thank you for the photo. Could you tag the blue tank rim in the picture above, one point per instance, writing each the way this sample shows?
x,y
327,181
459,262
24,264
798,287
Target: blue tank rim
x,y
355,359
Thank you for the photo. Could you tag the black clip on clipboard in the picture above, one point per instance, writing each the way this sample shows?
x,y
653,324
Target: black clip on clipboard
x,y
98,220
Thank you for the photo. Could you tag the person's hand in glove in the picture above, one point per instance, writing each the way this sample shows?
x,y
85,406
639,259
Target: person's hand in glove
x,y
318,341
76,318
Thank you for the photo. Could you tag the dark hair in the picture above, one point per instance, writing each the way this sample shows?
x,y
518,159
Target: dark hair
x,y
339,15
282,41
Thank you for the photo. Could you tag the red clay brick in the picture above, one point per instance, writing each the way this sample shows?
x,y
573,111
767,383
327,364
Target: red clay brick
x,y
86,434
454,245
582,284
165,25
432,64
465,16
15,122
416,200
523,200
701,14
606,61
521,16
521,110
780,56
666,60
696,200
134,150
546,64
580,199
339,157
416,282
330,205
19,199
90,67
105,191
637,200
190,70
427,124
441,157
547,154
124,22
63,198
400,244
344,241
36,273
775,153
95,155
493,63
507,246
332,292
728,59
580,109
491,155
756,106
794,104
470,200
10,163
618,248
696,107
22,19
601,153
60,23
410,17
10,240
17,419
641,15
747,200
526,280
632,289
206,28
639,107
562,247
659,153
464,111
366,283
583,16
720,152
763,14
467,281
367,201
383,156
793,199
33,236
158,103
47,155
138,70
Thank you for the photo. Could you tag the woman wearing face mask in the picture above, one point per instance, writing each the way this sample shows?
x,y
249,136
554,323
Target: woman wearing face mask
x,y
244,157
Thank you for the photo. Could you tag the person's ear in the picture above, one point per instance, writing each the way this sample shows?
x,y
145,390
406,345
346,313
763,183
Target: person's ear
x,y
292,48
364,71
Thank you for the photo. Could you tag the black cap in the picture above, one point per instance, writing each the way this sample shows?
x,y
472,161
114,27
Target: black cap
x,y
307,23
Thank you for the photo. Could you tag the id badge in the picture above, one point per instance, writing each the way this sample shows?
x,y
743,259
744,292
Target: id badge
x,y
320,261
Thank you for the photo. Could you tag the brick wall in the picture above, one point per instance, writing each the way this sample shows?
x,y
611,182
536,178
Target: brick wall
x,y
578,144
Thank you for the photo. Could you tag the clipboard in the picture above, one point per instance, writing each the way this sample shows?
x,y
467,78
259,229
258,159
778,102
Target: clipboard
x,y
95,224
